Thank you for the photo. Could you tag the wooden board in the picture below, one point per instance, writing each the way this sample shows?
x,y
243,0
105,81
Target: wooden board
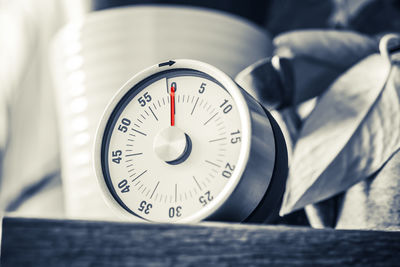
x,y
40,242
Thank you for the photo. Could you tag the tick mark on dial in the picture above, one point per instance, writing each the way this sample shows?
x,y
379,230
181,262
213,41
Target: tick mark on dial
x,y
153,114
194,178
176,192
139,132
134,154
143,116
155,188
194,106
140,121
216,140
139,175
212,117
212,163
146,113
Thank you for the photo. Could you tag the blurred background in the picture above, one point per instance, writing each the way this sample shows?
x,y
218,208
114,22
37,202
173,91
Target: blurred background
x,y
61,61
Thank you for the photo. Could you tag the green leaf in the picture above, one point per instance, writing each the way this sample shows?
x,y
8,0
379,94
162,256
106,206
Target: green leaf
x,y
318,57
351,133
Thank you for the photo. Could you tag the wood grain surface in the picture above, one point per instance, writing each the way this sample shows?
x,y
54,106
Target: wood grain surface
x,y
43,242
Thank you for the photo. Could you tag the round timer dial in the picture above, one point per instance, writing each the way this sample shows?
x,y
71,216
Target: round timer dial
x,y
181,142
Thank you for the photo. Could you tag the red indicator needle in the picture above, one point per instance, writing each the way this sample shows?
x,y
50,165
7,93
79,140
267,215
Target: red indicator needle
x,y
172,95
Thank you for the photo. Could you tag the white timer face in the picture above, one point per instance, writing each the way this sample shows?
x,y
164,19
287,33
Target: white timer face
x,y
171,145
